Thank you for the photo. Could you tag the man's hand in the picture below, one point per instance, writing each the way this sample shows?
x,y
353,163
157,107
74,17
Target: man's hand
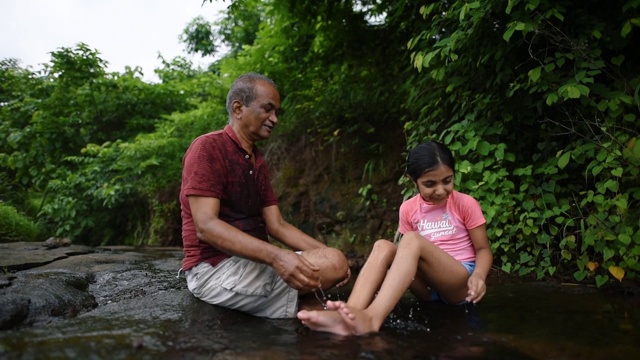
x,y
346,279
296,271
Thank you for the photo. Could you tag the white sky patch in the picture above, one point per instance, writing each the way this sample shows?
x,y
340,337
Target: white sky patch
x,y
124,32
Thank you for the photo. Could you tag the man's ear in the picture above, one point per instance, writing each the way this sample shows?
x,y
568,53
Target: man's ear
x,y
236,107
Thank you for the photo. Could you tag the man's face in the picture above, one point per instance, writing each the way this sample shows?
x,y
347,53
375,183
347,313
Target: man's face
x,y
261,116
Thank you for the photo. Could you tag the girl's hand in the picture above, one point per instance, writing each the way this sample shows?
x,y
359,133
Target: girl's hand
x,y
477,289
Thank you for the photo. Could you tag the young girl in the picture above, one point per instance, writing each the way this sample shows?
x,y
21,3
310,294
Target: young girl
x,y
444,253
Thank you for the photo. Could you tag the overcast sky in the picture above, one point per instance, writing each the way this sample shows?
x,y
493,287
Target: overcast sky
x,y
125,32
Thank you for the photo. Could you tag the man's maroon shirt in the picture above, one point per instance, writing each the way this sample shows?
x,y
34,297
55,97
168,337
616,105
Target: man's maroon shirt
x,y
216,165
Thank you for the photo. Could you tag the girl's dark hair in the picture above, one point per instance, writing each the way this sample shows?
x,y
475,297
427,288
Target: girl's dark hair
x,y
243,89
426,157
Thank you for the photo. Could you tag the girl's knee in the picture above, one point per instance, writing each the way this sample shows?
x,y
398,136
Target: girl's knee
x,y
411,240
383,249
383,246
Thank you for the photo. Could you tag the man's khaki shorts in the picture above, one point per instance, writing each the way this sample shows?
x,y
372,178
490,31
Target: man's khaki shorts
x,y
244,285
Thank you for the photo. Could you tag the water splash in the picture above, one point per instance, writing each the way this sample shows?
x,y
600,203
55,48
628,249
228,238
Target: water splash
x,y
322,301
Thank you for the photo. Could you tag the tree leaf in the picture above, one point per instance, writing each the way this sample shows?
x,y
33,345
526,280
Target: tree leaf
x,y
583,90
607,253
617,272
580,275
534,74
484,148
463,12
626,29
507,34
510,4
601,280
625,239
617,60
592,265
564,160
418,62
525,258
573,92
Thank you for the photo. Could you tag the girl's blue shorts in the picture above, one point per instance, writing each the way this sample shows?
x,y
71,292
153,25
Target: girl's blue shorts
x,y
469,265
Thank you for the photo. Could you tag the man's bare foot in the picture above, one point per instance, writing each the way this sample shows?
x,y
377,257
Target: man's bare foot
x,y
358,321
326,321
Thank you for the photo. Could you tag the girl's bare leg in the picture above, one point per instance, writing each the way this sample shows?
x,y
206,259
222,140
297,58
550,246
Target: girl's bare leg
x,y
415,253
372,274
367,284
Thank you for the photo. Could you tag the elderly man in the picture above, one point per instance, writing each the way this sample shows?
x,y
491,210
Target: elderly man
x,y
229,212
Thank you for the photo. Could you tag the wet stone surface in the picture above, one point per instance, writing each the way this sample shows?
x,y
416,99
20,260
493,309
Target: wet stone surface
x,y
126,303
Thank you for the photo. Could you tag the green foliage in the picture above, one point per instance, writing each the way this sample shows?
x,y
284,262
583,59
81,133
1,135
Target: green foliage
x,y
539,101
199,37
15,226
130,188
99,150
326,53
239,28
76,104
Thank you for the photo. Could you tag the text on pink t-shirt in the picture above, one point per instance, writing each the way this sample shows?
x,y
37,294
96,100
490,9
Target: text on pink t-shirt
x,y
446,225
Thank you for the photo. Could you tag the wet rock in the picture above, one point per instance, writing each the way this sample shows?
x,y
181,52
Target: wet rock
x,y
53,242
144,311
24,255
44,296
6,279
13,311
41,286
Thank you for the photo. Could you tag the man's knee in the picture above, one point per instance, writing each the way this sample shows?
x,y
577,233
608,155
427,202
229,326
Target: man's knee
x,y
339,260
337,266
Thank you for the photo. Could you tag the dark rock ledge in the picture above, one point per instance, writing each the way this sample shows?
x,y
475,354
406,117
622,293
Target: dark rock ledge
x,y
40,285
77,302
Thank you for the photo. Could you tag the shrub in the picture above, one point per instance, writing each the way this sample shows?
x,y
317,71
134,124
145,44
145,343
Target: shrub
x,y
15,226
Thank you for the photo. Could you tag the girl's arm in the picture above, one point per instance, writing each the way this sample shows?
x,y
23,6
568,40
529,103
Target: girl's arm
x,y
484,260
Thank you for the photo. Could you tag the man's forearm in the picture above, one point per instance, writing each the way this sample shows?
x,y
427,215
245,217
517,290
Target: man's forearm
x,y
233,241
295,239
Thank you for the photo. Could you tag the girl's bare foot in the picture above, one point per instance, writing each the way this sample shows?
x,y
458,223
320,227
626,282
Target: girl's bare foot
x,y
358,321
326,321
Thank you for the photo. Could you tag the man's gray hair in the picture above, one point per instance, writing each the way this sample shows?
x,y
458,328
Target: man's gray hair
x,y
243,89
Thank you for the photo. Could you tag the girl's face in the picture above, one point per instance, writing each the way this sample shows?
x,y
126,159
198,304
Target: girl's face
x,y
436,185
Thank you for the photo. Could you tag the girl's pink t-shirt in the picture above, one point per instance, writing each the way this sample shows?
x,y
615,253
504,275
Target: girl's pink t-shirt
x,y
446,225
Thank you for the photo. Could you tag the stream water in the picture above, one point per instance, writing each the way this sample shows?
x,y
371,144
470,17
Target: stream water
x,y
516,320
